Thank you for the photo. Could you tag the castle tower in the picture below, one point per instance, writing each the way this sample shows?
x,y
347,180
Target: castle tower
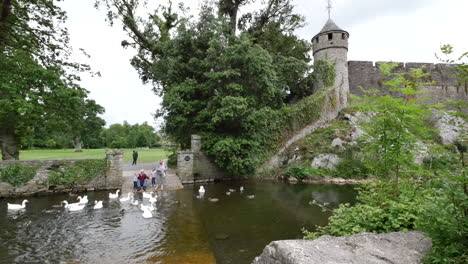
x,y
331,44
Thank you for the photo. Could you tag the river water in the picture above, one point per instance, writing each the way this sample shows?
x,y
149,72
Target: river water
x,y
184,229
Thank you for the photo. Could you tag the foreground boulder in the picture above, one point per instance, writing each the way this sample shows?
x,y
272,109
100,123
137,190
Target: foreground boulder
x,y
394,248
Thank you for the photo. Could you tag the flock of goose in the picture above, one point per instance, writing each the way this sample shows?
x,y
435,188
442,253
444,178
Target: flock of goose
x,y
83,201
201,193
147,209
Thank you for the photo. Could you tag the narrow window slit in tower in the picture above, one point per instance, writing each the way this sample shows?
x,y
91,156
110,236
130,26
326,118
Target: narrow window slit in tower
x,y
343,36
330,36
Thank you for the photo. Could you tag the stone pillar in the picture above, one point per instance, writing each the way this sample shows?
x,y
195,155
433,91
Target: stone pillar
x,y
196,143
114,175
185,166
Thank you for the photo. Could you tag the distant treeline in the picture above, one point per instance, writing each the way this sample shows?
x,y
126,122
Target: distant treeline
x,y
116,136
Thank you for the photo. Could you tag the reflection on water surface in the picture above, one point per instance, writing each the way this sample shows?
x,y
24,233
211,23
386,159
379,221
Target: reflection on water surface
x,y
184,229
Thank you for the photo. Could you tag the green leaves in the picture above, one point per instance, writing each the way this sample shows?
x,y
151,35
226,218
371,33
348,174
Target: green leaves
x,y
17,174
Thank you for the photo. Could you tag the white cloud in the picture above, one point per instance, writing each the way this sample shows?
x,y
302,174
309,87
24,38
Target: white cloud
x,y
380,30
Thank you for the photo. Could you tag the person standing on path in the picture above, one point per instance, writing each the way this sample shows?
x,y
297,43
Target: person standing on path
x,y
153,177
135,157
161,172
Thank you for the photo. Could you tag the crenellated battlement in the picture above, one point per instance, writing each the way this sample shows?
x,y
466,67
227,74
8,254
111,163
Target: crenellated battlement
x,y
444,85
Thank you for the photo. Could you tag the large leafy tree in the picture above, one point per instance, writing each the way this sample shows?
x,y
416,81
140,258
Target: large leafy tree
x,y
37,79
213,78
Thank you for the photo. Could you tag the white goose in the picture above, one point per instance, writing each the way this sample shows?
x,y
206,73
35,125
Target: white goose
x,y
201,190
17,206
241,189
126,199
250,196
97,205
135,202
147,195
153,199
83,200
73,206
147,214
114,195
147,207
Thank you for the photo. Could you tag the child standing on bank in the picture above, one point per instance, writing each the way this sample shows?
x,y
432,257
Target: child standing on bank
x,y
153,177
161,172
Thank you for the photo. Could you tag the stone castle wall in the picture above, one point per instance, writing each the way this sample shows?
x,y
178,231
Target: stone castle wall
x,y
366,74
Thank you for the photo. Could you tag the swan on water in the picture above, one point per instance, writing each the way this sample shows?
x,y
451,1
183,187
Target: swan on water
x,y
201,190
73,206
147,214
97,205
153,199
232,190
228,193
126,199
214,200
250,196
114,195
150,207
147,195
83,200
17,206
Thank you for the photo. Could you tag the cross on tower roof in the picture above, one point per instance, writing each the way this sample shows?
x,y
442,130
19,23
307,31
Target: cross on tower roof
x,y
329,7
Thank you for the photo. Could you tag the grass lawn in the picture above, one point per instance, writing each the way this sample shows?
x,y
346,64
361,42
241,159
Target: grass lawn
x,y
144,155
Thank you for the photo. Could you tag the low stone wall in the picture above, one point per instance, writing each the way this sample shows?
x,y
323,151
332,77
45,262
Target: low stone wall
x,y
40,184
392,248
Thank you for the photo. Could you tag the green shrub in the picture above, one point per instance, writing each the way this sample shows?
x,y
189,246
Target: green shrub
x,y
437,207
17,174
265,130
297,172
79,172
351,168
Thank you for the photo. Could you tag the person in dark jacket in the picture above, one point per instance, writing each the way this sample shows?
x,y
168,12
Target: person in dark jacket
x,y
135,157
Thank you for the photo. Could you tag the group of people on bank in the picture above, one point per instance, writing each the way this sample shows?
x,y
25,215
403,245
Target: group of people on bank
x,y
158,178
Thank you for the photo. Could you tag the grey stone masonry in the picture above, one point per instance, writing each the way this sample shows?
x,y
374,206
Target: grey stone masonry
x,y
194,166
443,84
331,45
39,184
185,166
114,174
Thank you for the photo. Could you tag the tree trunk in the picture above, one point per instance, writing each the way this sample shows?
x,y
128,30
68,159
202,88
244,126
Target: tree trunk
x,y
4,14
77,142
9,144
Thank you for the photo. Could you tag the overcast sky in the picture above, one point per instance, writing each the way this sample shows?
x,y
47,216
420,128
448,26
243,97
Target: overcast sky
x,y
380,30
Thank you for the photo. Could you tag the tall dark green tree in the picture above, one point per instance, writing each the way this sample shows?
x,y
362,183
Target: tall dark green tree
x,y
213,78
36,75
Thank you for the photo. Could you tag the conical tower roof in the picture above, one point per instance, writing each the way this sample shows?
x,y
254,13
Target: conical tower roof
x,y
330,26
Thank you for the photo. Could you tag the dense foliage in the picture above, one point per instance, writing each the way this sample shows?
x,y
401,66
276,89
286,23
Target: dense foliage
x,y
38,82
129,136
432,197
399,122
79,172
17,174
224,77
115,136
